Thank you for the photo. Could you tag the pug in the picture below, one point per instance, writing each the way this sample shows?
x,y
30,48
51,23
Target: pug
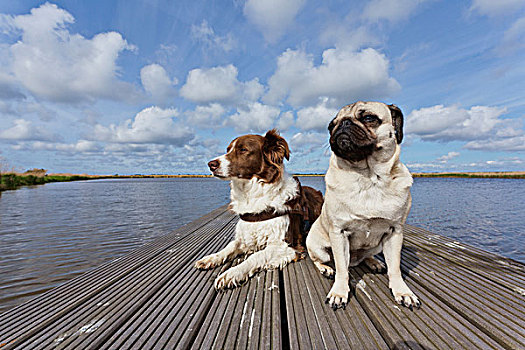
x,y
367,200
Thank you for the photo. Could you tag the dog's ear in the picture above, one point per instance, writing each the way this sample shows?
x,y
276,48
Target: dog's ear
x,y
331,126
397,121
275,148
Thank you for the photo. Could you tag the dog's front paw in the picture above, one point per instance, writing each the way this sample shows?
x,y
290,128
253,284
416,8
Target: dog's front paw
x,y
208,262
338,296
375,265
403,295
325,270
229,279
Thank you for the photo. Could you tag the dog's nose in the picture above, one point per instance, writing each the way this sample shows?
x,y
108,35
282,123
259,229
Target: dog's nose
x,y
214,164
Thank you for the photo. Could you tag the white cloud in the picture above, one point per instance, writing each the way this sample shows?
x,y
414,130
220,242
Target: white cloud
x,y
272,17
8,88
486,165
339,33
286,121
209,116
304,143
151,125
440,123
25,130
81,146
508,144
496,7
219,84
483,127
343,77
254,117
513,38
252,90
316,117
57,65
157,83
206,35
392,10
450,155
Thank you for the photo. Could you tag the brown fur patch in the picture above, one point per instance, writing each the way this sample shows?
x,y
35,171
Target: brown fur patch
x,y
307,207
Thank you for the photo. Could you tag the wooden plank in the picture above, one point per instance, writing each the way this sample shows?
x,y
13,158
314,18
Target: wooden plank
x,y
292,327
297,321
504,271
184,278
350,327
243,317
313,324
176,304
277,318
434,325
492,309
246,318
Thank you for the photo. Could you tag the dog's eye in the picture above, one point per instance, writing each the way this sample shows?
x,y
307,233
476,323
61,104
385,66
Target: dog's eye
x,y
243,150
370,118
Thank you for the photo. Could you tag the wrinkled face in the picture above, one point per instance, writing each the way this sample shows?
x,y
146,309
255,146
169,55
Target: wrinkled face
x,y
252,156
360,129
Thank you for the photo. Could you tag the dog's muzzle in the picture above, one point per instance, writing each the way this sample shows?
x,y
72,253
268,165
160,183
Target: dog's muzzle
x,y
351,142
219,167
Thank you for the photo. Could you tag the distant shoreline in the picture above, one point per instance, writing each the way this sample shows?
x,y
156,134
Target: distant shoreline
x,y
494,174
13,181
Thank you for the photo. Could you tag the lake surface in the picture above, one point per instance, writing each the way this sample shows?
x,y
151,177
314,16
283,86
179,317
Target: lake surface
x,y
52,233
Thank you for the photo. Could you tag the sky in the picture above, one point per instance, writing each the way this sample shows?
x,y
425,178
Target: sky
x,y
162,87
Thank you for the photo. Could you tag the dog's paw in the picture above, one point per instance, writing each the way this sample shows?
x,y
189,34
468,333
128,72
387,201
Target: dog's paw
x,y
338,296
325,270
375,265
208,262
403,295
229,279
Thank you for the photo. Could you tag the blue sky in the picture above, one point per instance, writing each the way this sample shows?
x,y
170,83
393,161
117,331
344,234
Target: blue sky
x,y
131,86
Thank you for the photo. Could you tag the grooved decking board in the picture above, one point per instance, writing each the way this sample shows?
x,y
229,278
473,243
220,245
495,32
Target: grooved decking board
x,y
153,298
313,324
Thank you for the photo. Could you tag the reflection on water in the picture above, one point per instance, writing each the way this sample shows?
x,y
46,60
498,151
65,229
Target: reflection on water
x,y
50,234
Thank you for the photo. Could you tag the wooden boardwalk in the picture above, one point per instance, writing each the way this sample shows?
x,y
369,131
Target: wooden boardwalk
x,y
153,298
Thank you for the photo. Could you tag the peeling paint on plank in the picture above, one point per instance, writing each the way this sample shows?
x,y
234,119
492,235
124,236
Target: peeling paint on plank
x,y
519,290
361,285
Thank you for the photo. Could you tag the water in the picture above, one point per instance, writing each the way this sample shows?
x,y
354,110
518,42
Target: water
x,y
52,233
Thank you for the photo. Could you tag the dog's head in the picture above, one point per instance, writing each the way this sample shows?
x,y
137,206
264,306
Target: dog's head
x,y
362,128
252,156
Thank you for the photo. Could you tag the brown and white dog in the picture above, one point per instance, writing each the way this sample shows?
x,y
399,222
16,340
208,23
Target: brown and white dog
x,y
272,206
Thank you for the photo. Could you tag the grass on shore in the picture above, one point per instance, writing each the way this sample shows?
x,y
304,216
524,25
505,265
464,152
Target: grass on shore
x,y
492,175
14,181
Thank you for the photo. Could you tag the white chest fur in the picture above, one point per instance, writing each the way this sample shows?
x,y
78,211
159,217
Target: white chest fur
x,y
255,196
254,236
355,195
